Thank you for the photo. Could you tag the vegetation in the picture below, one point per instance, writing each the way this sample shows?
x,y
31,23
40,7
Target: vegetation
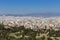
x,y
20,33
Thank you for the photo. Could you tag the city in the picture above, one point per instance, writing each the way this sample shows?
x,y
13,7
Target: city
x,y
31,22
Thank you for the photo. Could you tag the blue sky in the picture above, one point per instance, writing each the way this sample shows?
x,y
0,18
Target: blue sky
x,y
29,6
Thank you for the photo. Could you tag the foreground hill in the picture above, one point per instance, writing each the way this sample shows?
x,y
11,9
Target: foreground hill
x,y
21,33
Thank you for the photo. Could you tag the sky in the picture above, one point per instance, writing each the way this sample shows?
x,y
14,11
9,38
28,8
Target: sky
x,y
29,6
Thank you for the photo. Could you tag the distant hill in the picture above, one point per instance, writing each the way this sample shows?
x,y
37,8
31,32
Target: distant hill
x,y
44,14
35,14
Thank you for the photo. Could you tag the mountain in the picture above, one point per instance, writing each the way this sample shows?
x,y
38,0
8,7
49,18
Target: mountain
x,y
34,14
43,14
